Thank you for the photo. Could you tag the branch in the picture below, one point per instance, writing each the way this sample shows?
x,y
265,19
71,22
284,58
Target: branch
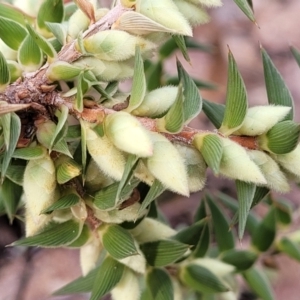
x,y
39,94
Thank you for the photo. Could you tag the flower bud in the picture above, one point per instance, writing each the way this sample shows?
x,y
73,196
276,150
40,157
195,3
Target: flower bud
x,y
78,22
276,179
150,230
115,45
89,254
39,188
195,165
108,158
167,165
127,133
166,13
127,288
157,102
236,164
138,24
194,14
260,119
61,70
290,161
107,70
142,173
95,179
135,262
207,2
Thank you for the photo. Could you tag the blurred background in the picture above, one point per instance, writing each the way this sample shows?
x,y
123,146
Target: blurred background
x,y
33,274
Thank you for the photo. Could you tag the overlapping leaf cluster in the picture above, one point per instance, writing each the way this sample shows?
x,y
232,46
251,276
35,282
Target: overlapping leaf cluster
x,y
92,185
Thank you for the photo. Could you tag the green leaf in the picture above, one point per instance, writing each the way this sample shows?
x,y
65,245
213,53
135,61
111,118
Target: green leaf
x,y
241,259
12,33
13,13
105,199
164,252
289,247
54,235
59,31
43,44
201,212
236,99
10,194
30,57
191,234
296,54
224,237
139,86
155,190
245,193
211,148
50,11
168,48
15,174
246,8
83,146
284,212
283,137
60,129
62,147
201,279
153,75
131,163
160,285
4,73
14,133
259,283
265,232
80,92
203,243
201,84
30,153
191,43
73,133
180,41
214,111
232,204
118,242
62,203
277,91
192,104
107,277
174,119
61,70
82,284
82,238
260,193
